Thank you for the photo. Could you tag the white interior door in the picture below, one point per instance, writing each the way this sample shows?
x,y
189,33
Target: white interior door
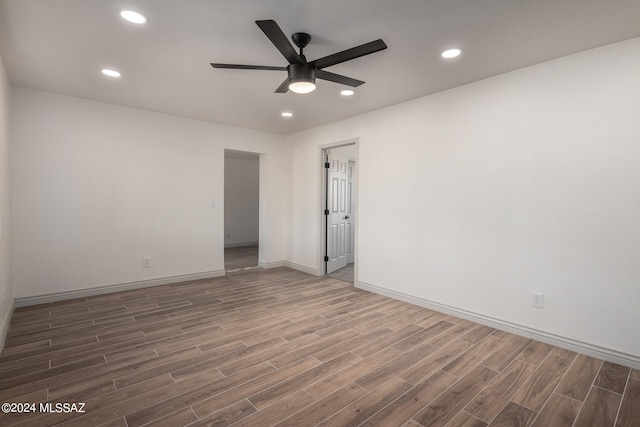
x,y
339,206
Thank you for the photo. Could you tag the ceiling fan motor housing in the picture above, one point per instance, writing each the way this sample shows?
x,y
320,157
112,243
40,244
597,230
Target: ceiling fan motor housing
x,y
301,73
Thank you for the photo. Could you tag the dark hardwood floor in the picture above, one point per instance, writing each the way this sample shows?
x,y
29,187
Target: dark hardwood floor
x,y
280,347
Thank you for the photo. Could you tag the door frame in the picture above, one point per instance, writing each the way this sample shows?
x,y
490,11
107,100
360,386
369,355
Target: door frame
x,y
322,199
261,168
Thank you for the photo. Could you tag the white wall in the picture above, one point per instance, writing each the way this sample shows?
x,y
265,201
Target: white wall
x,y
471,198
98,187
474,197
241,198
6,291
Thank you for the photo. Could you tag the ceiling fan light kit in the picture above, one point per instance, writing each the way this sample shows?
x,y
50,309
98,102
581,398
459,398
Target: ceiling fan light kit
x,y
301,73
302,78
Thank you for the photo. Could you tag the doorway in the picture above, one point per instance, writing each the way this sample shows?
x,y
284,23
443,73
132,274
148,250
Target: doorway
x,y
340,166
241,210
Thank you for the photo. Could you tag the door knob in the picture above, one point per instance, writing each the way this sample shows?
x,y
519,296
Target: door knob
x,y
346,217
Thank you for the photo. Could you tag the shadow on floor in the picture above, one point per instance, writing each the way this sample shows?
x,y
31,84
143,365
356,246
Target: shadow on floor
x,y
345,274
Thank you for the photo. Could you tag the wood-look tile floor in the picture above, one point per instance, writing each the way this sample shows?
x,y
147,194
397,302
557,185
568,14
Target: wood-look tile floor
x,y
240,258
279,347
345,274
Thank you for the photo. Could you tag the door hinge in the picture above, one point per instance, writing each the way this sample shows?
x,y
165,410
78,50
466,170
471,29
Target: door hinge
x,y
326,211
326,258
327,165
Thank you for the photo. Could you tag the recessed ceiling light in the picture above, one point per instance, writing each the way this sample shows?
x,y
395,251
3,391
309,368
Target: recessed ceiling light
x,y
134,17
110,73
451,53
346,92
286,114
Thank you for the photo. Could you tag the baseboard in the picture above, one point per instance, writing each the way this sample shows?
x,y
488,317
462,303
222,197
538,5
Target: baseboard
x,y
4,325
291,265
603,353
238,245
82,293
276,264
304,268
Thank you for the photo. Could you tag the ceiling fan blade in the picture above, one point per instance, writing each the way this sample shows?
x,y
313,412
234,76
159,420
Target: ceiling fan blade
x,y
337,78
353,53
271,29
284,87
248,67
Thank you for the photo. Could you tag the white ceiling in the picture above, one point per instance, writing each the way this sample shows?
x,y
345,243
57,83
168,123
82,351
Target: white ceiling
x,y
61,45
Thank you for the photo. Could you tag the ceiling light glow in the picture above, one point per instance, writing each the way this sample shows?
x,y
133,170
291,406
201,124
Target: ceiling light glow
x,y
302,86
286,114
346,92
132,16
110,72
451,53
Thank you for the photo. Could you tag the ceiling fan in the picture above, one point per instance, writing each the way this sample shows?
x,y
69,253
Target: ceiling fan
x,y
302,74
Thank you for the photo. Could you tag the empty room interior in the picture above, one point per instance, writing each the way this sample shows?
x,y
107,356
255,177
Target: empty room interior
x,y
298,213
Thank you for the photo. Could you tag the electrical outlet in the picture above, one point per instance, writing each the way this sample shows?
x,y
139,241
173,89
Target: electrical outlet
x,y
537,299
146,262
